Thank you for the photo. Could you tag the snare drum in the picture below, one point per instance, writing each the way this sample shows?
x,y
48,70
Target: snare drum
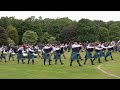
x,y
25,54
35,54
13,53
4,52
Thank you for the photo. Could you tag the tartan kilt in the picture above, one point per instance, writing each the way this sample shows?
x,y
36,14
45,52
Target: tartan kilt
x,y
57,56
3,55
46,56
102,53
96,55
88,55
108,54
19,56
75,56
30,56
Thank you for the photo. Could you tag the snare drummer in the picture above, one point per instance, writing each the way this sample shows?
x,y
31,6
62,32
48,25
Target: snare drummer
x,y
30,54
11,54
20,55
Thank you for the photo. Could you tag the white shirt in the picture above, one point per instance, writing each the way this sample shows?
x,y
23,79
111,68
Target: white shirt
x,y
89,47
98,48
57,48
75,46
103,46
46,47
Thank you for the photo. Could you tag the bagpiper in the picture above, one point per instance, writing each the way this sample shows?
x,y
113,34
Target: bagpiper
x,y
97,54
109,51
88,55
75,55
58,54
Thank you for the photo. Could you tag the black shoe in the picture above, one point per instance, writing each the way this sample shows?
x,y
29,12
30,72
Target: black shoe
x,y
62,63
84,63
80,65
93,59
70,64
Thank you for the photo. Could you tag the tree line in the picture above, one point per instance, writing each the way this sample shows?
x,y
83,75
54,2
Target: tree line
x,y
38,30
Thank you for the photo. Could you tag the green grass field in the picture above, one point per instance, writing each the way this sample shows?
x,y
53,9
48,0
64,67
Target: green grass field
x,y
12,70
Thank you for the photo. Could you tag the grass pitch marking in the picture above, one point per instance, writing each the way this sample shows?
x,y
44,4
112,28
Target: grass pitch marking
x,y
107,72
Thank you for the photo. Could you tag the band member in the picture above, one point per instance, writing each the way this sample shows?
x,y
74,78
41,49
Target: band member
x,y
88,55
102,53
46,53
11,54
3,53
62,51
25,53
58,55
69,47
30,54
97,53
20,55
109,51
75,55
80,50
37,51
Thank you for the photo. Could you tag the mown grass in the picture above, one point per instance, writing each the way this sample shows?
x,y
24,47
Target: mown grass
x,y
12,70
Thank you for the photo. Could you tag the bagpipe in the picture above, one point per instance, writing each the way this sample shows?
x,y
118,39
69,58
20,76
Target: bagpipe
x,y
25,54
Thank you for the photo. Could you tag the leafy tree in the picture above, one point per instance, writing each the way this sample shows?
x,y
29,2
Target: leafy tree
x,y
103,34
12,33
54,26
3,36
45,37
86,30
52,40
30,37
4,22
114,31
68,33
10,41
